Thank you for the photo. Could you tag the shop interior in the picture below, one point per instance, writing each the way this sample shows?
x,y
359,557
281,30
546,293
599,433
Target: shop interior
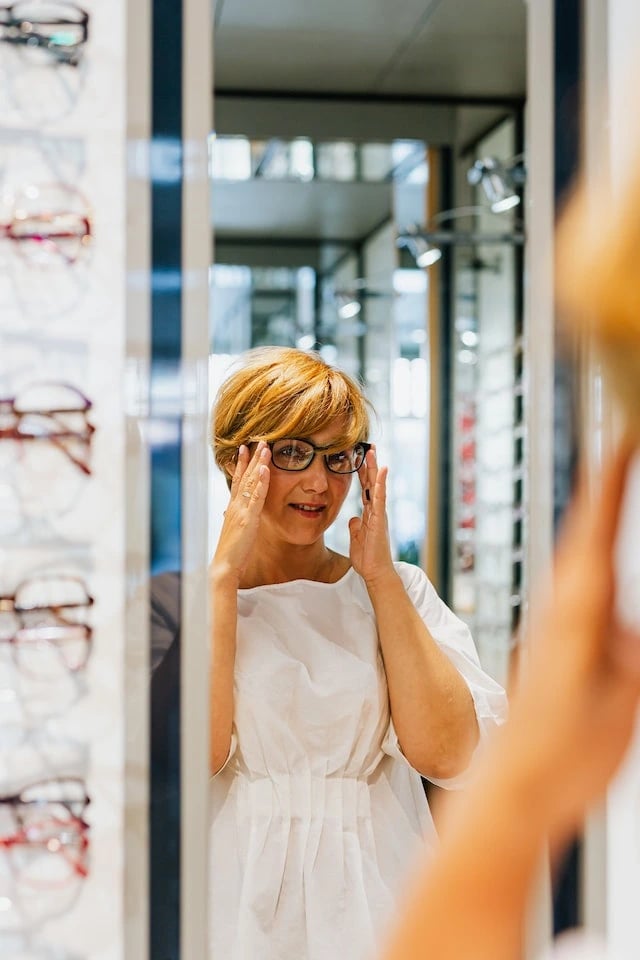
x,y
180,181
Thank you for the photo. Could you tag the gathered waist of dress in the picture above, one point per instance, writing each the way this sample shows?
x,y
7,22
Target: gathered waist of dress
x,y
304,797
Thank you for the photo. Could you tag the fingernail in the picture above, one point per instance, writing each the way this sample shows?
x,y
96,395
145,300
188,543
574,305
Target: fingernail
x,y
367,495
264,453
241,449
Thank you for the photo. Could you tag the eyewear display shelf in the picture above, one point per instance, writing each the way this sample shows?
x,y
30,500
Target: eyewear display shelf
x,y
72,518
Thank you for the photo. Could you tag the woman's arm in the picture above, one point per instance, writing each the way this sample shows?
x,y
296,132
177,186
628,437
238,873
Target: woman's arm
x,y
431,705
249,487
472,901
224,616
570,725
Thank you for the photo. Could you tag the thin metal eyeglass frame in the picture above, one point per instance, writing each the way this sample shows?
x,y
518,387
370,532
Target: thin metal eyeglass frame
x,y
83,235
79,828
56,437
43,632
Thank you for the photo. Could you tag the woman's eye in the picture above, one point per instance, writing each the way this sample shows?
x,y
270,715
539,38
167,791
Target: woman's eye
x,y
341,457
293,452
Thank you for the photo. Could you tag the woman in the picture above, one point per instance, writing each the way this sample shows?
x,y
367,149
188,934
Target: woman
x,y
336,681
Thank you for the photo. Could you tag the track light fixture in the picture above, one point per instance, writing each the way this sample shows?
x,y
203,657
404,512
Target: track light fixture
x,y
425,243
348,305
429,255
499,180
349,300
424,252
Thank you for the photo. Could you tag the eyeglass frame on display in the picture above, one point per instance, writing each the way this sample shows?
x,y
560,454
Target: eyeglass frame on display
x,y
8,433
8,231
8,605
23,32
81,830
16,799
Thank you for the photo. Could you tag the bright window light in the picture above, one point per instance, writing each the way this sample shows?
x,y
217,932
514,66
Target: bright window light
x,y
230,158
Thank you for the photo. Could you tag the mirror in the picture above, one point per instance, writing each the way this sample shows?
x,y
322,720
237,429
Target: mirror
x,y
354,249
338,168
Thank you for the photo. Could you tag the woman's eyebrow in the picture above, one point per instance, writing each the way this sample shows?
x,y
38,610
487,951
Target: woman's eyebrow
x,y
326,446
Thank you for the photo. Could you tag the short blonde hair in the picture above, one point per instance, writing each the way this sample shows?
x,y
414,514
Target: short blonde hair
x,y
283,392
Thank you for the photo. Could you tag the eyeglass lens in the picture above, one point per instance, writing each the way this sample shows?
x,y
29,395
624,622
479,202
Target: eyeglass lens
x,y
293,454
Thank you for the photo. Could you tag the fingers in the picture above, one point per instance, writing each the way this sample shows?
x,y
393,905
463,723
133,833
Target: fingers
x,y
611,496
251,477
585,576
592,518
373,480
242,461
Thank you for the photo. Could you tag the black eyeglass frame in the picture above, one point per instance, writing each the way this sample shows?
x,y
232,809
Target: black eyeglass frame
x,y
23,31
315,450
76,807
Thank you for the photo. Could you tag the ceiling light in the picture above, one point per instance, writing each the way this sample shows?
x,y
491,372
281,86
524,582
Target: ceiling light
x,y
506,203
499,180
424,253
426,243
349,308
428,256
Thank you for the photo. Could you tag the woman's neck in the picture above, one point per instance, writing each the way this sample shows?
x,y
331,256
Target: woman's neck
x,y
304,563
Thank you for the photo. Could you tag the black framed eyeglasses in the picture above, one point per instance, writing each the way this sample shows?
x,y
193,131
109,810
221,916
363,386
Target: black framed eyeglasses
x,y
57,27
57,799
294,454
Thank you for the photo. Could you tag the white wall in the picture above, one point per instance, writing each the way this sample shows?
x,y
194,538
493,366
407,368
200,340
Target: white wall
x,y
70,324
623,807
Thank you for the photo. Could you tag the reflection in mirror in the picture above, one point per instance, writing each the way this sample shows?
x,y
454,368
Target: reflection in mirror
x,y
340,677
319,268
488,517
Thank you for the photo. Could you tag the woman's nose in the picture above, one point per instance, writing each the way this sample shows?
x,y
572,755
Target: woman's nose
x,y
315,476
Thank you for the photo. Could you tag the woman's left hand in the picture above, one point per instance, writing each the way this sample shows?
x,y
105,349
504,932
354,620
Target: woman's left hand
x,y
370,549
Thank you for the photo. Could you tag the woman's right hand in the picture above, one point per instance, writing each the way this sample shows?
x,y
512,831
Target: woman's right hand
x,y
249,487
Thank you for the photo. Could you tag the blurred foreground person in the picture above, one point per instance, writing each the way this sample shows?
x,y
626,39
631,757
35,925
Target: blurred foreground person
x,y
575,713
571,722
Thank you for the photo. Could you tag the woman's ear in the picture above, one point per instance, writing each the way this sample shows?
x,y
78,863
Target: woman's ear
x,y
229,469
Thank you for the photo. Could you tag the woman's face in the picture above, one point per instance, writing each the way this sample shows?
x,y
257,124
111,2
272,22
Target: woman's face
x,y
302,504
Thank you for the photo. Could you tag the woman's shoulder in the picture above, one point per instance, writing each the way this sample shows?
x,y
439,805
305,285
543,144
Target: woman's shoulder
x,y
412,576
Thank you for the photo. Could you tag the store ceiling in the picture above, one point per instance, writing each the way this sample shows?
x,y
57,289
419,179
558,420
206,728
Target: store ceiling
x,y
452,48
339,212
375,50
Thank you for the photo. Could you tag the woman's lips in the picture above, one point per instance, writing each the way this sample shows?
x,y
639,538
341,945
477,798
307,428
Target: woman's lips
x,y
308,509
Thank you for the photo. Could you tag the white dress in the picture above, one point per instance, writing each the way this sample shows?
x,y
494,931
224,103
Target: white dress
x,y
316,817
